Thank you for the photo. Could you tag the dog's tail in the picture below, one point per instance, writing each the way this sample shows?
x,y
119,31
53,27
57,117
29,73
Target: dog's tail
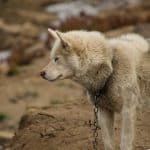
x,y
148,40
138,41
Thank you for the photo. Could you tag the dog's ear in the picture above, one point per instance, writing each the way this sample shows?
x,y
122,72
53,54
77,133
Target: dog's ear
x,y
52,33
59,35
64,43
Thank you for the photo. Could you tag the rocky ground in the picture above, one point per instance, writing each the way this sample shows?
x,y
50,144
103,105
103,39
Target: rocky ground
x,y
66,127
56,114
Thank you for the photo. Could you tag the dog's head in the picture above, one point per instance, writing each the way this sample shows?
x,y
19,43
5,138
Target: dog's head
x,y
63,60
77,56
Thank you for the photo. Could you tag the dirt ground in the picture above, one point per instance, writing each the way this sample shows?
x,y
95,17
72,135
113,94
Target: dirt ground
x,y
40,115
65,127
57,114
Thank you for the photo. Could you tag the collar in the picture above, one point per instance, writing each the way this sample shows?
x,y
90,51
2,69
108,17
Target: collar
x,y
97,95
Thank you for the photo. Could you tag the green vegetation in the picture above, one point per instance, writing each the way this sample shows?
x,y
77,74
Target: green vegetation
x,y
33,94
56,101
62,84
3,117
13,71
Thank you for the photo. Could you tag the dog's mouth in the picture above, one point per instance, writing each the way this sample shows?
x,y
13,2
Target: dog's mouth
x,y
51,80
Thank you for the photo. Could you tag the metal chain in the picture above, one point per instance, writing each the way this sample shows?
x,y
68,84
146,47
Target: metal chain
x,y
95,129
94,125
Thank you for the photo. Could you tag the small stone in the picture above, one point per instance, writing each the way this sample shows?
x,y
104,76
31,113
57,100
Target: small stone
x,y
1,147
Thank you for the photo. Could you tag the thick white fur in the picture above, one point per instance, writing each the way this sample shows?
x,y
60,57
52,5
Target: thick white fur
x,y
118,67
137,41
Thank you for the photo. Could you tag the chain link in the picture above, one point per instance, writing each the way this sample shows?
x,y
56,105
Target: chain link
x,y
94,125
95,129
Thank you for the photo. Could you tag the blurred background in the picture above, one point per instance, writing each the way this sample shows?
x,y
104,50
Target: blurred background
x,y
24,50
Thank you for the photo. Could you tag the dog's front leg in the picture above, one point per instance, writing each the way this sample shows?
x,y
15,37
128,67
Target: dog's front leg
x,y
106,121
128,123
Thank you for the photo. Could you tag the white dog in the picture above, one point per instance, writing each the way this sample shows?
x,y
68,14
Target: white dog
x,y
117,70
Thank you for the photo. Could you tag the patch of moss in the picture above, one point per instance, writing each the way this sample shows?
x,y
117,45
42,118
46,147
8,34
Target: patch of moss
x,y
3,117
56,101
13,71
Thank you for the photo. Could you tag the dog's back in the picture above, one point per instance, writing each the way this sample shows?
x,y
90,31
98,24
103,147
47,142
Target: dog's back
x,y
137,41
144,78
138,49
143,69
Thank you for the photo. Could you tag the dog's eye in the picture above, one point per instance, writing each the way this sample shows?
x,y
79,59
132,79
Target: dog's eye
x,y
56,59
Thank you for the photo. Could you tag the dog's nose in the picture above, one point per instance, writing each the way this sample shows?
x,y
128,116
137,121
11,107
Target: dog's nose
x,y
42,73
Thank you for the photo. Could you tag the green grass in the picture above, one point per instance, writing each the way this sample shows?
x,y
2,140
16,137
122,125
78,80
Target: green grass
x,y
3,117
56,101
33,94
13,71
62,84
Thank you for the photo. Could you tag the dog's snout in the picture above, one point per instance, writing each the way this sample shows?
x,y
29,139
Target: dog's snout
x,y
42,73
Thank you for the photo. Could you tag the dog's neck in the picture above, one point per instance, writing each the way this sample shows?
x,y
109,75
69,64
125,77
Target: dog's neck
x,y
95,88
96,95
